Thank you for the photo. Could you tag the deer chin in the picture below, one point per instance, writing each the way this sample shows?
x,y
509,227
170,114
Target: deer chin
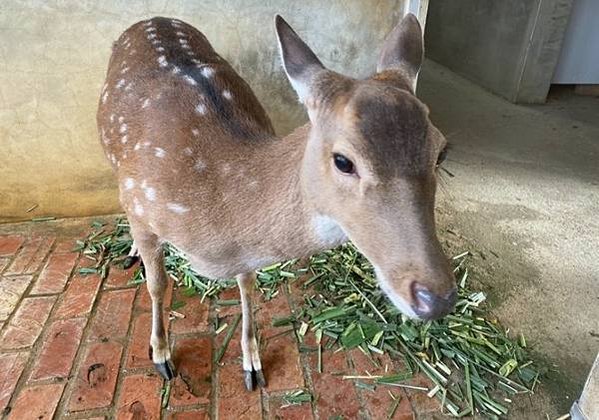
x,y
399,302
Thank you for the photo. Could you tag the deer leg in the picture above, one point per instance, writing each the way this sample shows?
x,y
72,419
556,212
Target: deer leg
x,y
132,257
252,367
150,250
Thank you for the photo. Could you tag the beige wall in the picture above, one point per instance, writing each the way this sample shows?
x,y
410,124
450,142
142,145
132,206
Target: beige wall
x,y
53,58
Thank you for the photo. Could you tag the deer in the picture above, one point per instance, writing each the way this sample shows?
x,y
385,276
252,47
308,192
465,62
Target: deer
x,y
199,166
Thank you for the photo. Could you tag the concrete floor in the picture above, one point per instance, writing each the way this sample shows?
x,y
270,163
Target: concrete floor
x,y
525,197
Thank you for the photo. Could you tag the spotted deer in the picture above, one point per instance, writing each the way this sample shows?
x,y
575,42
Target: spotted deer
x,y
199,166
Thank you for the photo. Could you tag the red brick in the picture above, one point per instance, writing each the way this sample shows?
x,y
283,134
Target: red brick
x,y
235,402
10,244
79,296
65,245
113,314
140,342
26,326
144,303
55,274
378,402
334,396
139,398
119,278
193,359
11,367
279,352
97,377
278,410
421,403
195,312
31,255
59,349
11,291
199,414
37,402
229,294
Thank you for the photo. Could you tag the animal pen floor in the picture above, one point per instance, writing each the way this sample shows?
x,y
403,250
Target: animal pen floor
x,y
77,346
524,199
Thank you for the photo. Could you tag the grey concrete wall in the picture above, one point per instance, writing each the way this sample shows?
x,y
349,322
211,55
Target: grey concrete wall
x,y
53,59
510,47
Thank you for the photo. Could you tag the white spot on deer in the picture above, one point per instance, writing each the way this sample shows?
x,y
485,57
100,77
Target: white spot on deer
x,y
207,72
129,86
188,151
160,49
121,119
201,108
137,146
132,52
226,168
123,128
112,118
151,36
120,83
137,207
190,53
177,208
124,139
128,183
113,159
148,23
104,97
159,152
155,42
162,61
176,70
175,24
196,61
190,80
150,29
199,166
180,33
227,94
124,70
145,103
105,139
195,132
146,143
150,193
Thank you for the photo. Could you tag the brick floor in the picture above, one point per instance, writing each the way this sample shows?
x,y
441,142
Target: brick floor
x,y
74,346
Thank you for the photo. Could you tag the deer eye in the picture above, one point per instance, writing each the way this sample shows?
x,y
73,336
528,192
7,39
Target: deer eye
x,y
343,164
442,156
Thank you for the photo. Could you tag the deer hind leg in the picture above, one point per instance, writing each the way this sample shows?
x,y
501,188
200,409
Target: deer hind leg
x,y
151,253
252,367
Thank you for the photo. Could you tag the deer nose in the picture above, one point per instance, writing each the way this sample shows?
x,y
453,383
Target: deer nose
x,y
429,305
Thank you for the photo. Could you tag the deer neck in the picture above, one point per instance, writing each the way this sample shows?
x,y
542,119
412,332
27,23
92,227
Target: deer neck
x,y
295,227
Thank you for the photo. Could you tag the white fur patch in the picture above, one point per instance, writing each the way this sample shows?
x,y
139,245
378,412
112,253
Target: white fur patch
x,y
195,132
121,119
188,151
137,207
199,166
328,230
137,146
177,208
145,103
112,118
176,70
159,152
123,128
124,139
190,80
124,70
207,72
120,83
104,97
227,94
162,61
160,49
150,193
201,108
128,183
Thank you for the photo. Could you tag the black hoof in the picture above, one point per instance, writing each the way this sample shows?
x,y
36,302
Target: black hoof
x,y
253,378
166,370
130,262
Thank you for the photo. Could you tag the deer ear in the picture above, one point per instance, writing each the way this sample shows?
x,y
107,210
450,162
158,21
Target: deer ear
x,y
299,62
403,49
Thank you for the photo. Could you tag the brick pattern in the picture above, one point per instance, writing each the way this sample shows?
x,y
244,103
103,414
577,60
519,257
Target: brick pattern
x,y
75,345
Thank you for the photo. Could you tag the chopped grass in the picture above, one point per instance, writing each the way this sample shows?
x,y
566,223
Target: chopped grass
x,y
470,359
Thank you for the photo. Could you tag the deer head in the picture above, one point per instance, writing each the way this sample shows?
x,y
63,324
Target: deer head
x,y
370,165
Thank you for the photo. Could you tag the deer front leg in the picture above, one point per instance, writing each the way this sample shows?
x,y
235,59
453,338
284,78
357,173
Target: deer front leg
x,y
252,368
152,256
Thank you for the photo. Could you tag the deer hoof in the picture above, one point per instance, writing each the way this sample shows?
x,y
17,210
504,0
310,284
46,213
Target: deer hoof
x,y
130,261
253,378
166,370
